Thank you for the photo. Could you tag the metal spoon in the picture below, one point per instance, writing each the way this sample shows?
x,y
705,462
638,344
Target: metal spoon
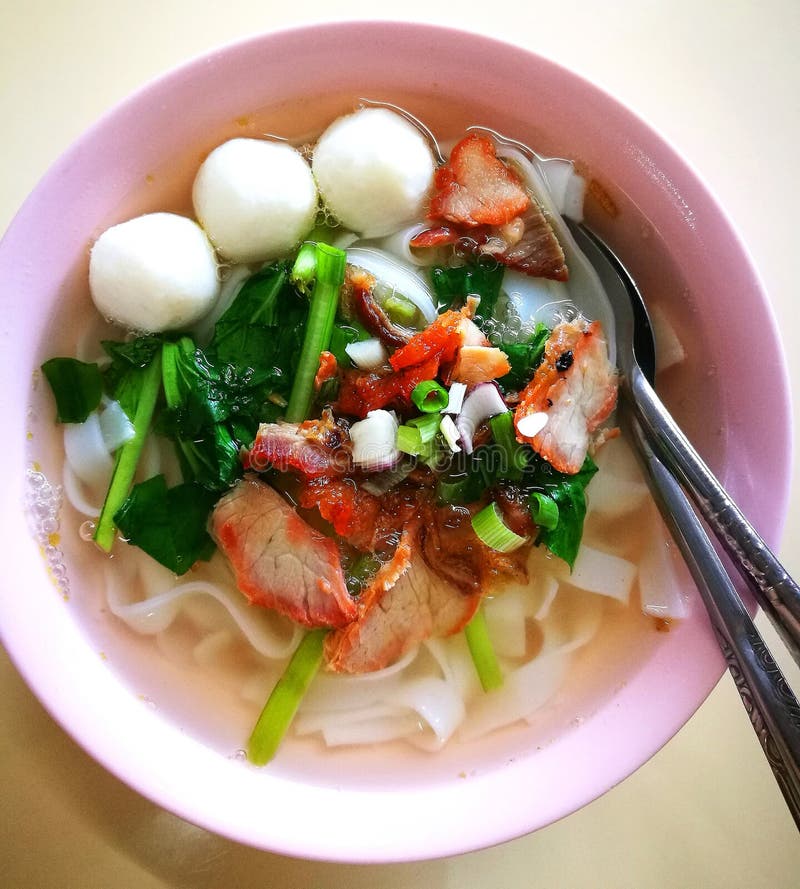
x,y
665,453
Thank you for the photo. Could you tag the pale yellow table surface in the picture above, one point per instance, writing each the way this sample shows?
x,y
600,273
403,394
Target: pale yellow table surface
x,y
720,79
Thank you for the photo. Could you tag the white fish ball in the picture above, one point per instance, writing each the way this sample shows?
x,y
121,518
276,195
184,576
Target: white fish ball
x,y
374,170
155,272
256,199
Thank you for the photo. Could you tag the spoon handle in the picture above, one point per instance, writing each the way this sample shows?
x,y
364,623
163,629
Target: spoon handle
x,y
773,709
775,590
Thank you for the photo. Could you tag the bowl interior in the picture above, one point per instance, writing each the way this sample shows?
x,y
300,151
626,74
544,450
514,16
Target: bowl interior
x,y
143,717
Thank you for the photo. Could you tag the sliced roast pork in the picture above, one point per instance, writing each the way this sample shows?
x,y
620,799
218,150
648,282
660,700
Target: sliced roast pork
x,y
405,604
278,559
572,392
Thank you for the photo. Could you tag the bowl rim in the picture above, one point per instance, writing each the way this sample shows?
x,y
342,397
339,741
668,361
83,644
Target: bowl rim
x,y
228,780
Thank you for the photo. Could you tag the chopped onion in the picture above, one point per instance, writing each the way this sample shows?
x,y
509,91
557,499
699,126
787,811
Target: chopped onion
x,y
455,398
450,432
374,440
367,354
389,270
483,402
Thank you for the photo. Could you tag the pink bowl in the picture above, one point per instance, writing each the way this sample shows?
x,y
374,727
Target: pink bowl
x,y
387,805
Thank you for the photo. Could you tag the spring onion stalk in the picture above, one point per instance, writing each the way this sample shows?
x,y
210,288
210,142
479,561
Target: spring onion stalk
x,y
514,455
128,455
483,656
544,510
282,704
324,301
429,397
428,425
488,524
304,269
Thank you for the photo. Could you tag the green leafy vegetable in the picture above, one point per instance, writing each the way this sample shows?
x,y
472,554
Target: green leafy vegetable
x,y
282,704
169,524
452,286
482,652
524,358
77,388
514,454
200,399
343,334
567,491
262,329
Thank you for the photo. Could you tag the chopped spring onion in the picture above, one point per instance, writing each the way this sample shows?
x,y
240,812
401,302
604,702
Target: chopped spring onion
x,y
400,309
409,440
544,510
450,433
483,656
513,453
304,269
429,397
455,398
324,301
428,426
282,704
488,524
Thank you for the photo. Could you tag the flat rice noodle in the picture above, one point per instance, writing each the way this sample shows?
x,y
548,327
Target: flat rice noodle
x,y
603,573
524,691
269,635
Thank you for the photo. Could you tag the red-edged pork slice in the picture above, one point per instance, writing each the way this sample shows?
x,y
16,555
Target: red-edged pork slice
x,y
280,561
476,188
313,449
572,392
405,604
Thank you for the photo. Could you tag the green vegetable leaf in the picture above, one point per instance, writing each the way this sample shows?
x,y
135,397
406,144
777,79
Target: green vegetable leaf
x,y
263,328
169,524
343,334
77,388
568,493
452,286
524,358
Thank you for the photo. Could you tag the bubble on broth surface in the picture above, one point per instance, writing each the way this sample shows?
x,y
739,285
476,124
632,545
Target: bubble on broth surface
x,y
43,507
